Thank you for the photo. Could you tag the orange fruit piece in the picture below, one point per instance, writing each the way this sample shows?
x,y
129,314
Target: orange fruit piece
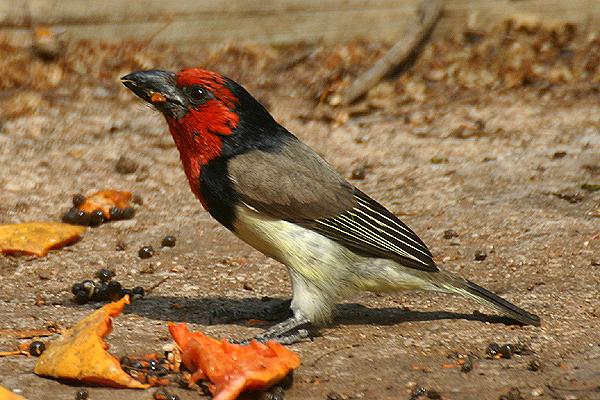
x,y
232,368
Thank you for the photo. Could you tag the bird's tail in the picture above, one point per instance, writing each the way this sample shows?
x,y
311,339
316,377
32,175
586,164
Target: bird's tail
x,y
468,289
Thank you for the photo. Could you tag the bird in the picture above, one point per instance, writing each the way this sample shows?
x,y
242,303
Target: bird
x,y
281,197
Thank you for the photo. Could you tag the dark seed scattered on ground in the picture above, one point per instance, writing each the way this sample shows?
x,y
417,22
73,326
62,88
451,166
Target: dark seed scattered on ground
x,y
115,213
492,350
105,275
36,348
358,174
78,200
81,297
76,288
128,213
121,245
82,394
467,366
507,350
168,241
137,199
96,218
559,155
173,397
534,365
450,233
146,252
137,293
480,255
126,165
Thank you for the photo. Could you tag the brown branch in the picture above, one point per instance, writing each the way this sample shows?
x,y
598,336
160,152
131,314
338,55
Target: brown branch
x,y
428,14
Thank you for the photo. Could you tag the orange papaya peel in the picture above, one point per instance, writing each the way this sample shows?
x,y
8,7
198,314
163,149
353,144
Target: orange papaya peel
x,y
80,353
104,201
232,368
37,237
6,394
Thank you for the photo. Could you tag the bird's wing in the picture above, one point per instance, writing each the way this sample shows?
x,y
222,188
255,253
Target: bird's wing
x,y
372,230
297,185
292,183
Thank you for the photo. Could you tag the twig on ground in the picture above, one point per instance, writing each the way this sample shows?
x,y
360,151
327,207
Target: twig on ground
x,y
428,14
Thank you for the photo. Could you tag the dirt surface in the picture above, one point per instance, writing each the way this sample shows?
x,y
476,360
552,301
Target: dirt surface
x,y
469,140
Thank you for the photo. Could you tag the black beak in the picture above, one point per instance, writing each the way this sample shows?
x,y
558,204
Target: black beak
x,y
158,88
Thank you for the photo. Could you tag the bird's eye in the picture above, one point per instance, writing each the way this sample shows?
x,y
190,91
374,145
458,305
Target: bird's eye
x,y
198,94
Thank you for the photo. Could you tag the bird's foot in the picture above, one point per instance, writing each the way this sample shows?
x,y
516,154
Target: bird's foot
x,y
288,331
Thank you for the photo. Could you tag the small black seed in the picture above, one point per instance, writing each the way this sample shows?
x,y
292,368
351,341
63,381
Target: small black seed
x,y
96,218
559,154
76,216
358,174
76,288
114,287
137,199
138,290
450,233
82,297
168,241
480,255
105,275
115,213
534,365
100,291
173,397
492,350
467,366
126,165
128,213
36,348
125,292
89,287
78,200
82,394
146,252
121,245
507,350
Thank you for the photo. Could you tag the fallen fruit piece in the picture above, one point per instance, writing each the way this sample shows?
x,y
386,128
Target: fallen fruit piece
x,y
232,368
37,237
99,207
80,353
6,394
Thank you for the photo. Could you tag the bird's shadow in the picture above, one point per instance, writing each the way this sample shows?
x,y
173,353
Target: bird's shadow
x,y
217,310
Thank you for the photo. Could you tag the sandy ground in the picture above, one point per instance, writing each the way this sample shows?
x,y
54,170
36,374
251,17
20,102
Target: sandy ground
x,y
501,167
